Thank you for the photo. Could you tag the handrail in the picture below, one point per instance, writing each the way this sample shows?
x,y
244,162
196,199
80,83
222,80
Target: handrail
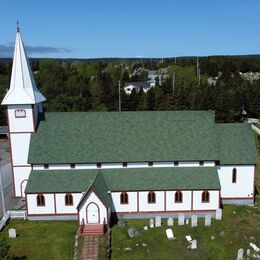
x,y
82,226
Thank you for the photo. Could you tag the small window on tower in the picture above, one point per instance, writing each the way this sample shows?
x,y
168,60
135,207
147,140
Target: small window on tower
x,y
150,164
99,165
20,113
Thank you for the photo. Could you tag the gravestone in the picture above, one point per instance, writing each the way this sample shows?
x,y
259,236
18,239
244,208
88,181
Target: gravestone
x,y
240,254
194,244
151,223
170,221
158,221
219,214
121,223
170,234
208,220
12,233
187,221
133,232
181,218
248,252
194,221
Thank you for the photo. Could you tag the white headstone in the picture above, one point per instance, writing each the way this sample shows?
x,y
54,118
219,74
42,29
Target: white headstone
x,y
188,237
12,233
170,222
219,214
169,234
194,221
151,223
158,221
187,221
248,252
208,220
240,254
194,244
181,218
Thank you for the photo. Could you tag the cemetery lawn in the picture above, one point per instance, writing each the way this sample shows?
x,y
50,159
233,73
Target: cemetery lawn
x,y
41,239
238,227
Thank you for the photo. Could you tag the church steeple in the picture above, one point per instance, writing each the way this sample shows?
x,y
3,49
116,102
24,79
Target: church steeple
x,y
23,89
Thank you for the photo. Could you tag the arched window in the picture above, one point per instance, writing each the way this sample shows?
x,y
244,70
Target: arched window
x,y
40,200
68,199
205,196
178,197
124,198
151,197
234,175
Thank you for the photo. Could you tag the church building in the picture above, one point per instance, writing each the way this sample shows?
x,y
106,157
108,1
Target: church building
x,y
95,166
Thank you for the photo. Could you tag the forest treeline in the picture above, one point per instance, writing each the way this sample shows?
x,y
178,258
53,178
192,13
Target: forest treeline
x,y
82,85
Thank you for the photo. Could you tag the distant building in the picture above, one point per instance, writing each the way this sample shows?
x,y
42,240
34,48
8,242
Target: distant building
x,y
129,86
250,75
152,75
212,81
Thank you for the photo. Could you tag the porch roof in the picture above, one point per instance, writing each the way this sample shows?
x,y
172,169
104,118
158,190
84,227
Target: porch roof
x,y
124,179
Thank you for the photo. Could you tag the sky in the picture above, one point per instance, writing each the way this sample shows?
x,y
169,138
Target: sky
x,y
131,28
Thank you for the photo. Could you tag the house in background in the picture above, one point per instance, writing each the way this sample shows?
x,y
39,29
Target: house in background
x,y
129,86
93,166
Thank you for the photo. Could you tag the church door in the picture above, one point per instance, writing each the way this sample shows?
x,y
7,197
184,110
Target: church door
x,y
93,216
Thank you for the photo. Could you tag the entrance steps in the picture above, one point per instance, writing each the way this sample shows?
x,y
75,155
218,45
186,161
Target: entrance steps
x,y
93,230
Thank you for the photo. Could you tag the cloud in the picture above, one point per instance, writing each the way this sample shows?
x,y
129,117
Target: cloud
x,y
7,50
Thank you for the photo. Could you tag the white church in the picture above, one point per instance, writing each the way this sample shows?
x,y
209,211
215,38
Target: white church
x,y
95,166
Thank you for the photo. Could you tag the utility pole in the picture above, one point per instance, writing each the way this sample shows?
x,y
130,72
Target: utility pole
x,y
173,81
2,191
197,67
119,96
198,70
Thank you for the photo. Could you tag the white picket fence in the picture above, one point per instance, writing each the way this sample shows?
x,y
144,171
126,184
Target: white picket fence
x,y
12,214
257,130
253,121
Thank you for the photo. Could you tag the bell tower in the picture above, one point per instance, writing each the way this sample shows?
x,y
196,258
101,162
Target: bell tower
x,y
24,107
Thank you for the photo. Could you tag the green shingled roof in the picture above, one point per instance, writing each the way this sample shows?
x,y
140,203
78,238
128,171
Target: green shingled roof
x,y
123,179
171,178
101,188
60,181
88,137
236,143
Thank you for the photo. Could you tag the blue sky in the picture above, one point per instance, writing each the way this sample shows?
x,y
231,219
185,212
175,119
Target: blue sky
x,y
113,28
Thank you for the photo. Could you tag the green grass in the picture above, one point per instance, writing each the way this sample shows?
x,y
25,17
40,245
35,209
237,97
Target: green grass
x,y
237,229
239,223
102,247
42,239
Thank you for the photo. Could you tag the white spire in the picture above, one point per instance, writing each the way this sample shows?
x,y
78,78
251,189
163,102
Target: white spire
x,y
23,89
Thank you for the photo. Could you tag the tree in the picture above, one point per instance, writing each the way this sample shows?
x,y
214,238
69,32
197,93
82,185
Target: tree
x,y
150,100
